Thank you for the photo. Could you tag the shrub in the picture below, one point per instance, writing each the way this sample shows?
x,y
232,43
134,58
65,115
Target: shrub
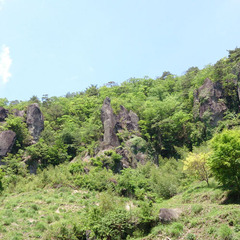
x,y
76,167
65,231
190,236
96,179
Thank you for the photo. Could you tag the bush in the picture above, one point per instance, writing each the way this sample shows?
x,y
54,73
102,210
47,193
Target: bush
x,y
113,225
166,179
96,179
65,231
224,161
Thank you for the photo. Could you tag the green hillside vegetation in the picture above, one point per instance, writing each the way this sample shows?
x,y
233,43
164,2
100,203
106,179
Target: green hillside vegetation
x,y
192,163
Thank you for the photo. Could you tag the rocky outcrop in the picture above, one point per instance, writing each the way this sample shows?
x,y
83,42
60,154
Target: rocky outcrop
x,y
18,113
3,114
133,152
125,123
35,121
7,140
108,118
127,120
209,102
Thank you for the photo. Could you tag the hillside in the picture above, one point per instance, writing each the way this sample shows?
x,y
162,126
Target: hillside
x,y
101,163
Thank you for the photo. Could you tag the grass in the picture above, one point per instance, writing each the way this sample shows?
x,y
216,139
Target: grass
x,y
36,213
29,214
204,216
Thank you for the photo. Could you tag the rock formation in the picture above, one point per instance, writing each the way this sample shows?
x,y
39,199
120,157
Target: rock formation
x,y
208,100
7,140
18,113
127,120
131,151
3,114
109,121
35,121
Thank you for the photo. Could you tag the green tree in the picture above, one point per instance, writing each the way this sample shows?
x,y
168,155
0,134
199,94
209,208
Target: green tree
x,y
225,159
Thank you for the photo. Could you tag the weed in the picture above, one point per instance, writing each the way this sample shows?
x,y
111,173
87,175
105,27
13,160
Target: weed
x,y
176,229
190,236
225,232
211,230
40,226
197,209
35,207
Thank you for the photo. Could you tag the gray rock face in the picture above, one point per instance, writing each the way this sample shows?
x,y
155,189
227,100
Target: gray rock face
x,y
127,120
7,140
3,114
132,152
35,121
108,119
208,99
18,113
168,215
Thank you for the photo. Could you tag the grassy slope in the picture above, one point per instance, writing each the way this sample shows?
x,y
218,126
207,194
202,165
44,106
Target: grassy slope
x,y
28,215
204,216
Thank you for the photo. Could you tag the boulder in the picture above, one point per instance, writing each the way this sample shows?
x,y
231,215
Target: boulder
x,y
108,118
168,214
7,140
3,114
35,121
209,102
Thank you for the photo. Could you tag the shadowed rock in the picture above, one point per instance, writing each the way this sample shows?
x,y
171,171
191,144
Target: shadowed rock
x,y
7,140
18,113
35,121
3,114
208,100
127,120
108,119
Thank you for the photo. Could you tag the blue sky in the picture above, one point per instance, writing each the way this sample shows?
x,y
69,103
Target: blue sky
x,y
59,46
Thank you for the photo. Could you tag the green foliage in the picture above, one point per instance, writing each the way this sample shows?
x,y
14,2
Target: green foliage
x,y
48,154
166,179
65,231
96,179
76,168
225,158
17,125
1,176
191,236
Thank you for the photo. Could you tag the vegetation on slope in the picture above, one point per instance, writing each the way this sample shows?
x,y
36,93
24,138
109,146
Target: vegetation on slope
x,y
74,197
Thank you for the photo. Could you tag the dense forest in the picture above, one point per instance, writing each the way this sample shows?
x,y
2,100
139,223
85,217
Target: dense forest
x,y
117,154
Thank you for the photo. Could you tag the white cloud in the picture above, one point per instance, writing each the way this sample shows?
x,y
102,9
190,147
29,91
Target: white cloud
x,y
1,4
5,64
